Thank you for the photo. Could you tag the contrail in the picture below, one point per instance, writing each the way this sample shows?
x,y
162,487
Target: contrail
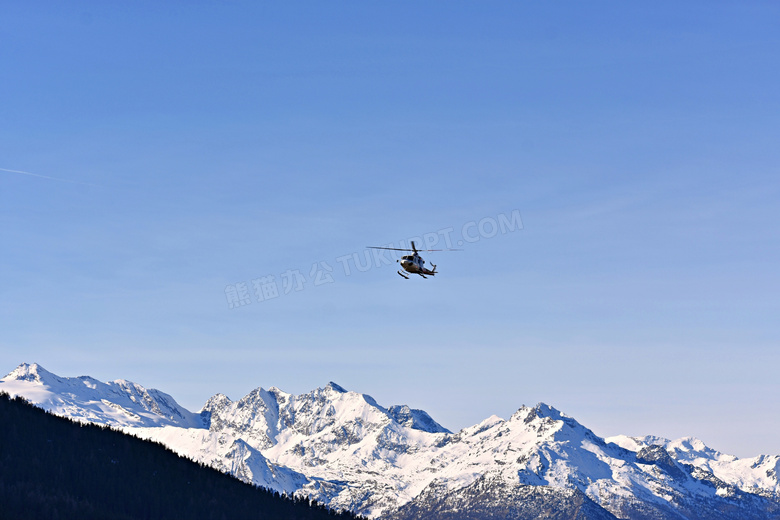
x,y
47,177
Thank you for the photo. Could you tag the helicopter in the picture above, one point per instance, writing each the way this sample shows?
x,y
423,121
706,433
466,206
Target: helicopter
x,y
414,263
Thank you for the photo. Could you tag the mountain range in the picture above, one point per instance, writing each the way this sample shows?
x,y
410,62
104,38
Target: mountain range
x,y
349,452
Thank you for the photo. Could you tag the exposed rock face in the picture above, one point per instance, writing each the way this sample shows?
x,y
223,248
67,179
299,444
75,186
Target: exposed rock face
x,y
487,498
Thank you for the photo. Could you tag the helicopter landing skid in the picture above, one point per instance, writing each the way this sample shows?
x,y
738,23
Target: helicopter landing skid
x,y
402,274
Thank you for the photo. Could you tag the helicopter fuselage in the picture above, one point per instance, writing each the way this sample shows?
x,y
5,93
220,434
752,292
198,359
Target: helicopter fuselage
x,y
415,264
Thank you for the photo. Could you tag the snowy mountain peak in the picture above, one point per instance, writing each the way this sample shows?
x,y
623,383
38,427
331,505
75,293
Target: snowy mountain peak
x,y
685,448
415,419
545,410
541,413
216,401
693,446
33,373
336,388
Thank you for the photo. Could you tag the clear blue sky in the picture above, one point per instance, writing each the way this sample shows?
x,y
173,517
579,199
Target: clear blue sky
x,y
154,155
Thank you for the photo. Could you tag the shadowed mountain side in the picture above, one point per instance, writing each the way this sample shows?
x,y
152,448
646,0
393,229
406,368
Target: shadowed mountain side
x,y
492,498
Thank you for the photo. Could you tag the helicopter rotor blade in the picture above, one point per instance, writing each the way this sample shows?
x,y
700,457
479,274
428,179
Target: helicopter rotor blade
x,y
390,248
415,250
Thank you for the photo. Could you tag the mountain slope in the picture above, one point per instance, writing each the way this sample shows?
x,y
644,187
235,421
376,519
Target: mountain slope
x,y
346,450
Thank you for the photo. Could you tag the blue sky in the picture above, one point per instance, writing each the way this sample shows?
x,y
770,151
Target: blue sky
x,y
153,156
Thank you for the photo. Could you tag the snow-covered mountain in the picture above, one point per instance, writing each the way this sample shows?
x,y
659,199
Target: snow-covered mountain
x,y
346,450
119,403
